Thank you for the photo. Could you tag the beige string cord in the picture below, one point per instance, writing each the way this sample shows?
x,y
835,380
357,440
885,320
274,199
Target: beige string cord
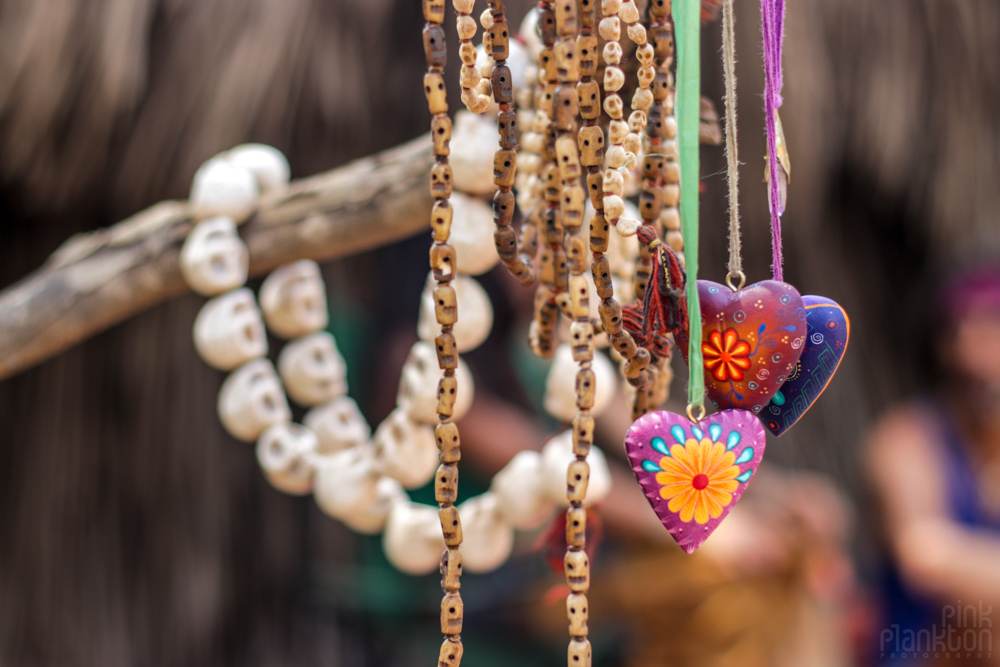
x,y
732,154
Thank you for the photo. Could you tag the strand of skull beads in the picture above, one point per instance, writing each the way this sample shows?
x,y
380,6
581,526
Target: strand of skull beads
x,y
443,268
473,97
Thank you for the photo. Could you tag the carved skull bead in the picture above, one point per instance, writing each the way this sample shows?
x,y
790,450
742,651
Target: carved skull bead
x,y
293,299
228,331
214,258
313,370
251,400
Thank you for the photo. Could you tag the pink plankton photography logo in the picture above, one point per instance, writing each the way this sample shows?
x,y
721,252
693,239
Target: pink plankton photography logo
x,y
965,632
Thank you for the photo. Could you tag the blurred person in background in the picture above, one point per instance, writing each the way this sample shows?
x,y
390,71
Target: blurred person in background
x,y
935,466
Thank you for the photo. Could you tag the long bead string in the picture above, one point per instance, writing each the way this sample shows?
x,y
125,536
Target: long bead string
x,y
443,267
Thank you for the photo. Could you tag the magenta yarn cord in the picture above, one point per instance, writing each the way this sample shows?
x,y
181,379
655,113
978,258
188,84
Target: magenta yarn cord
x,y
772,15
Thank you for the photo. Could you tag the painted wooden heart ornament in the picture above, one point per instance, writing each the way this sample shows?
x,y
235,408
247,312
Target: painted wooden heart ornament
x,y
751,341
693,474
828,329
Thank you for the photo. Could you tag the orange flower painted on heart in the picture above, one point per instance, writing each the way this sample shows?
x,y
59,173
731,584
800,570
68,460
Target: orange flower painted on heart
x,y
726,356
698,479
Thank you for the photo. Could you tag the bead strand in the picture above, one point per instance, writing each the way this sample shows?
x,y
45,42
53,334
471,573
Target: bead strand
x,y
443,267
470,78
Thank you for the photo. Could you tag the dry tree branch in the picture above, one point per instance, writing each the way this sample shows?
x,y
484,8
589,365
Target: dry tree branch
x,y
99,279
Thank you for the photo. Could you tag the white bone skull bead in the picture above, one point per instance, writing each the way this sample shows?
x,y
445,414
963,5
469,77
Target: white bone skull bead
x,y
251,400
268,165
405,450
487,538
287,455
472,234
346,481
520,488
412,539
312,369
560,384
219,188
418,385
229,331
473,142
293,299
338,425
557,454
214,258
371,518
475,313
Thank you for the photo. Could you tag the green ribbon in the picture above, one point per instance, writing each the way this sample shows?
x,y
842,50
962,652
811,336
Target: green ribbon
x,y
687,29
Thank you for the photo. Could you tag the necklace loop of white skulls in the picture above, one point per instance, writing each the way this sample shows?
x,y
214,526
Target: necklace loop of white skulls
x,y
355,476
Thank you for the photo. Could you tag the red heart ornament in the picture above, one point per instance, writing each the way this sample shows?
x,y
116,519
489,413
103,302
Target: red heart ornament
x,y
694,474
751,340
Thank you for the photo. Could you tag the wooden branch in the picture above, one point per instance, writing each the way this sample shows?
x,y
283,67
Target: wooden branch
x,y
97,280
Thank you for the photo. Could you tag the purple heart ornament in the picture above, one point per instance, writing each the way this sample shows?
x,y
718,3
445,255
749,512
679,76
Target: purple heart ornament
x,y
693,474
828,330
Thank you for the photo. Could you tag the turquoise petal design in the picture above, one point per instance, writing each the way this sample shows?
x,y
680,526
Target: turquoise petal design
x,y
715,431
745,456
698,433
660,446
649,466
734,439
745,476
678,434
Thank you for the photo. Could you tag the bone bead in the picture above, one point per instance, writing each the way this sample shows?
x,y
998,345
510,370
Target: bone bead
x,y
628,12
418,385
473,143
642,99
560,384
557,455
287,455
338,425
614,78
627,226
214,258
267,164
613,106
488,538
370,519
610,29
312,369
466,26
520,489
412,539
637,33
612,56
609,7
251,399
293,298
576,612
471,234
405,450
475,314
222,189
614,206
228,331
345,482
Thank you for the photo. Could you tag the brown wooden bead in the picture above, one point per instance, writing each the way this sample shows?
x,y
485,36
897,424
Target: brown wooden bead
x,y
447,351
637,363
435,93
503,85
655,128
522,270
445,304
441,215
507,127
611,316
546,272
564,304
451,525
499,40
547,24
567,61
589,96
451,564
576,253
446,483
576,527
435,48
451,604
595,188
659,8
441,180
553,185
624,344
586,49
529,238
442,262
441,134
504,167
661,84
565,106
496,7
547,68
505,240
503,207
588,14
591,142
583,434
567,157
434,11
600,231
652,167
580,653
573,201
447,393
586,384
552,225
602,277
650,202
448,442
662,38
581,340
559,266
566,17
576,611
451,654
579,297
577,479
577,568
